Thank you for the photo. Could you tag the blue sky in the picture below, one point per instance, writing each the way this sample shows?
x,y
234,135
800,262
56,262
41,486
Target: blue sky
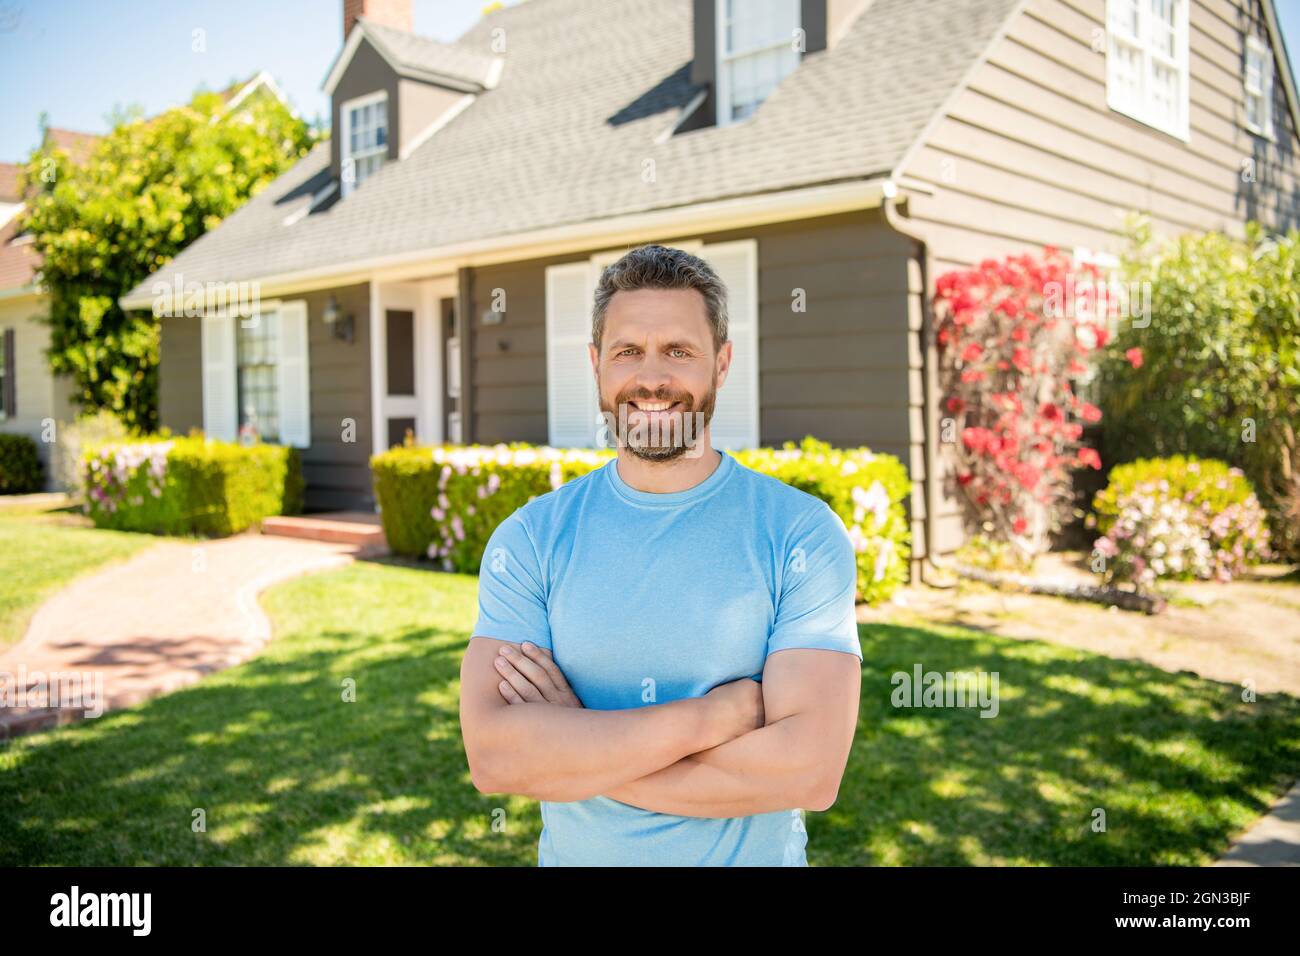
x,y
79,59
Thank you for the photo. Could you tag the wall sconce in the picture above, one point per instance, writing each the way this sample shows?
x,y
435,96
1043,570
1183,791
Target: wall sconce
x,y
339,323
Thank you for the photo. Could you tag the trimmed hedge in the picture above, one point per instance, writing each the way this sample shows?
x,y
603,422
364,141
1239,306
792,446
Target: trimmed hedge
x,y
444,502
21,472
1181,517
190,485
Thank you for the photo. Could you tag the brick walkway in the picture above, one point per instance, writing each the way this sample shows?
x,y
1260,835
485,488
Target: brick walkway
x,y
156,622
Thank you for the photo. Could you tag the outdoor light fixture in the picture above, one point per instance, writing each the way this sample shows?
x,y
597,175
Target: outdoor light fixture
x,y
339,322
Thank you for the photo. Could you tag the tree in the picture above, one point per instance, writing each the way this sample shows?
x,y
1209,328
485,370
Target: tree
x,y
105,223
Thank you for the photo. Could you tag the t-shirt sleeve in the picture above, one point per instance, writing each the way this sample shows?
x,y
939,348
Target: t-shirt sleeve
x,y
818,585
511,591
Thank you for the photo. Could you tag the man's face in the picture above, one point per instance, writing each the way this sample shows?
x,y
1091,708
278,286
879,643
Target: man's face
x,y
657,351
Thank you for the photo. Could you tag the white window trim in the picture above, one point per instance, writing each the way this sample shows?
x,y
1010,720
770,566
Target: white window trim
x,y
722,58
1265,53
345,143
1180,128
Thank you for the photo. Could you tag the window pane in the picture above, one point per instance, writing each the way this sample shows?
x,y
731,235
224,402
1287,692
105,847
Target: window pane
x,y
1124,17
257,348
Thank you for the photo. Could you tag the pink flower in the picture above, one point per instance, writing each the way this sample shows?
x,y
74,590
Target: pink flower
x,y
1134,357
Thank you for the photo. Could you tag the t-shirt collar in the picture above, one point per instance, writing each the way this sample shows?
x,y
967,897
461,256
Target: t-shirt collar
x,y
671,499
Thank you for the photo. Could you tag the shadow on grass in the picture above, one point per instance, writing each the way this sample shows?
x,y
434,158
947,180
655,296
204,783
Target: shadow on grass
x,y
1176,763
286,772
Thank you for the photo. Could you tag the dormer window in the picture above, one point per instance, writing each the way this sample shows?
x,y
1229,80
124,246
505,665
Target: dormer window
x,y
365,138
756,51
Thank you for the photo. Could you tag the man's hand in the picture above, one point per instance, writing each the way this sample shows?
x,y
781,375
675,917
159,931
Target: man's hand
x,y
530,674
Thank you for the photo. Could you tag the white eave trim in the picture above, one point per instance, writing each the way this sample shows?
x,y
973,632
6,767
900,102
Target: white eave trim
x,y
735,213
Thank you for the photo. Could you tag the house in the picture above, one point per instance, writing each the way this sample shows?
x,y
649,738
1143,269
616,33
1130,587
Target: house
x,y
33,400
431,267
31,396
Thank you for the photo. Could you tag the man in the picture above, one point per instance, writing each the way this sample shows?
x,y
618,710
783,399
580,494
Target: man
x,y
666,653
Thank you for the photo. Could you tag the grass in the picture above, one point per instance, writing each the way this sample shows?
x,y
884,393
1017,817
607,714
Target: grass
x,y
38,558
285,770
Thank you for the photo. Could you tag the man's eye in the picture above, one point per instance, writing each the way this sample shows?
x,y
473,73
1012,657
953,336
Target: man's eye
x,y
681,352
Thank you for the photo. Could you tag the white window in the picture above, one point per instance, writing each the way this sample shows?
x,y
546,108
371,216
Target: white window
x,y
573,407
1259,87
1146,62
756,51
255,375
365,138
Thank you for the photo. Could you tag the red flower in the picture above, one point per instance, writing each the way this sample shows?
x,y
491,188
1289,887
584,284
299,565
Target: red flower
x,y
1020,359
972,375
1090,413
972,352
956,405
1134,357
1020,525
1103,336
1050,412
965,479
1089,457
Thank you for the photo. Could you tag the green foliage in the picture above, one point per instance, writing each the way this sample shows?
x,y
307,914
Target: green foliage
x,y
444,502
103,225
430,499
190,485
1219,375
20,466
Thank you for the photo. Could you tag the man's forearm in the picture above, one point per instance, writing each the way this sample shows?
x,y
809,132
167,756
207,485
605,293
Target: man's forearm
x,y
567,753
764,770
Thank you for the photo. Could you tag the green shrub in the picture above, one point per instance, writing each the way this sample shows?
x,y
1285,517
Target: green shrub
x,y
444,502
20,466
190,485
1214,369
1179,517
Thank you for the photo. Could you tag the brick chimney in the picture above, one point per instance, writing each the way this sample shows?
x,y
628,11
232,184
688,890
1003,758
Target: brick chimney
x,y
390,13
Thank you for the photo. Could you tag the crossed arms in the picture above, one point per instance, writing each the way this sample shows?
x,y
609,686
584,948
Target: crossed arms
x,y
743,748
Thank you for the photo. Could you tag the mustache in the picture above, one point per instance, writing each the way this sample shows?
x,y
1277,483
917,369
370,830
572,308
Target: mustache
x,y
684,399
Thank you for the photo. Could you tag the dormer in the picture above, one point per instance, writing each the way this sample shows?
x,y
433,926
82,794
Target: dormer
x,y
745,48
391,90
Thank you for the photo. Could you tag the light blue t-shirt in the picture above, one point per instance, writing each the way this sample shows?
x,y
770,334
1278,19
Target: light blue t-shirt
x,y
646,598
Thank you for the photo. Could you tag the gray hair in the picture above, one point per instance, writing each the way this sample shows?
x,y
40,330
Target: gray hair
x,y
659,267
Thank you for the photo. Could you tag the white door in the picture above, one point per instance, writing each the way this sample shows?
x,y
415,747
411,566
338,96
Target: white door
x,y
406,363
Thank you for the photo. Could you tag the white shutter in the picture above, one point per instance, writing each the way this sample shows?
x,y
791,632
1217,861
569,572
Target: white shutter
x,y
220,403
293,376
735,418
572,406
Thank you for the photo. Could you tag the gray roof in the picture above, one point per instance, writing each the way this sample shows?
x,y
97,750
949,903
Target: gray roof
x,y
586,88
421,57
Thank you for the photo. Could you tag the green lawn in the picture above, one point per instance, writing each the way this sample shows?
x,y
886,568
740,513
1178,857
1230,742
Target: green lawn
x,y
287,772
37,558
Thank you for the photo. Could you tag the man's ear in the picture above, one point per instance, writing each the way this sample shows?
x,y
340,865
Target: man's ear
x,y
723,364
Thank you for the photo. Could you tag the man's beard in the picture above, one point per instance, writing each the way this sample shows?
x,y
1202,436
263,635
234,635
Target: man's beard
x,y
679,432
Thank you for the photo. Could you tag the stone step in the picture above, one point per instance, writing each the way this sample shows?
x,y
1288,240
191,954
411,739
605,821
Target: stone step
x,y
343,527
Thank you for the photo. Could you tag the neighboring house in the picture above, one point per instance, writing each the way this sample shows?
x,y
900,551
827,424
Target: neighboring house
x,y
31,396
431,268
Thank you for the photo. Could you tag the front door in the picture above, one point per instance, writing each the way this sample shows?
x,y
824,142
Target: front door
x,y
407,364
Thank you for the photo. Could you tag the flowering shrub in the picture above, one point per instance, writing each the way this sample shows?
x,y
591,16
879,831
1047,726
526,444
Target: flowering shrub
x,y
189,485
1012,336
444,502
1178,518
